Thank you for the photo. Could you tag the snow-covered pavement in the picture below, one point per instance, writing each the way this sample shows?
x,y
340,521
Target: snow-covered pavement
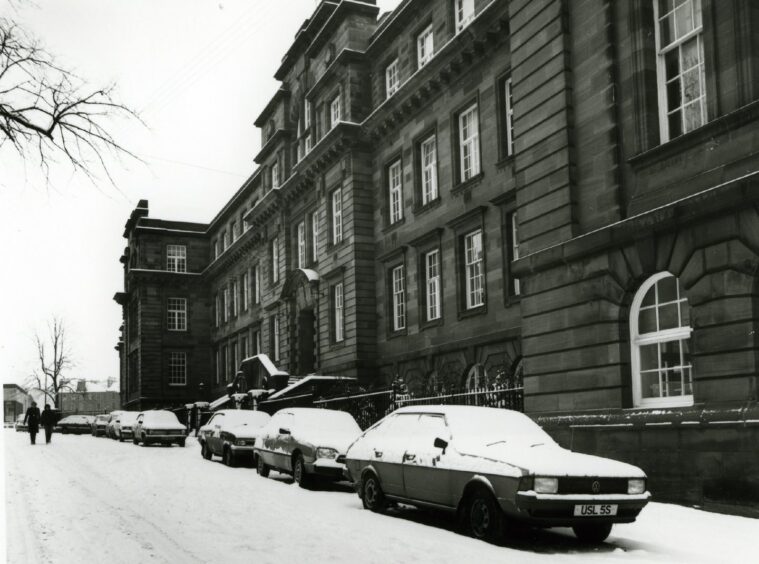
x,y
93,500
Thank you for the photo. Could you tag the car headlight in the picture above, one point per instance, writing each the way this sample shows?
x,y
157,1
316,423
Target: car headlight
x,y
546,485
636,485
325,452
240,442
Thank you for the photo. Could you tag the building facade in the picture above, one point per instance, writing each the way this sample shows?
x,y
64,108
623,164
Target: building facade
x,y
481,192
15,402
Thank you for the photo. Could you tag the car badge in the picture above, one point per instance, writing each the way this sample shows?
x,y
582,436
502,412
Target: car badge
x,y
596,486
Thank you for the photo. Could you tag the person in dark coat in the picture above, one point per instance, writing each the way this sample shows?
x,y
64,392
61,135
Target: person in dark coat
x,y
32,419
47,420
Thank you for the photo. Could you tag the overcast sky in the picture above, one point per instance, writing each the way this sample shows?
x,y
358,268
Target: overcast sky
x,y
199,72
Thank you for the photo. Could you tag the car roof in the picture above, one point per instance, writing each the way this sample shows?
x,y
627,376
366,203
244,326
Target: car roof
x,y
451,409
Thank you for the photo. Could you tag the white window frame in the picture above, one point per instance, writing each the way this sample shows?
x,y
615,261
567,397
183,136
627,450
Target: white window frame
x,y
246,289
425,46
339,312
657,337
432,285
337,216
275,337
235,291
275,175
428,157
315,236
218,309
469,143
218,365
398,281
257,282
176,314
275,260
308,145
306,114
392,78
395,191
233,230
515,249
176,258
177,368
335,111
474,269
509,111
301,236
676,44
464,10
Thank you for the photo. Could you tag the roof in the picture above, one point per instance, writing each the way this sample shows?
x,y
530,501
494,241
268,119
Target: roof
x,y
306,380
267,364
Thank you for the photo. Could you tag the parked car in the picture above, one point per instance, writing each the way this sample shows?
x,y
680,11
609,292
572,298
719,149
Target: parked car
x,y
306,442
489,464
99,424
231,434
123,425
109,427
158,426
20,425
75,424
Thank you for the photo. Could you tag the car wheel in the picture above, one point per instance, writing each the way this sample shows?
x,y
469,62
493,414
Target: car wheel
x,y
135,440
65,431
592,532
261,467
299,472
205,452
121,438
483,516
181,442
144,441
372,495
229,458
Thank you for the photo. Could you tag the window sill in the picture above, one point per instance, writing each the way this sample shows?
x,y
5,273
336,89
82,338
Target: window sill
x,y
508,160
394,226
468,183
474,312
419,210
399,333
431,324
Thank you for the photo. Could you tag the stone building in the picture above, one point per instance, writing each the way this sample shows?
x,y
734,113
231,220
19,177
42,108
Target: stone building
x,y
476,192
15,402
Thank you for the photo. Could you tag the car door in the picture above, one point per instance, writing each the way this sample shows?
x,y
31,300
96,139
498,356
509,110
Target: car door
x,y
423,480
269,438
213,438
283,442
387,449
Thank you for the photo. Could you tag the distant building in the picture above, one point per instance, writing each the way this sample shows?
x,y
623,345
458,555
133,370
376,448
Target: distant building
x,y
15,402
90,398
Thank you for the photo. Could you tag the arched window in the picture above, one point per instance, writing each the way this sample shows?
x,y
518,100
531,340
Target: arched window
x,y
660,331
476,378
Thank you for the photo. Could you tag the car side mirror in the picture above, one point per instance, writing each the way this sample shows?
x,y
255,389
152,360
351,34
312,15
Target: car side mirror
x,y
283,431
440,443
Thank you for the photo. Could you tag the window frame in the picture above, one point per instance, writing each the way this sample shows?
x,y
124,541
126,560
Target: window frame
x,y
338,312
246,290
468,266
463,14
426,282
392,78
432,167
177,322
336,205
398,302
274,257
335,111
300,236
505,116
274,342
421,44
174,262
315,236
175,355
472,142
395,192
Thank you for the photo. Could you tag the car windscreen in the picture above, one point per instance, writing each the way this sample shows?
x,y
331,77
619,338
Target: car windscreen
x,y
161,418
244,417
325,420
489,426
127,417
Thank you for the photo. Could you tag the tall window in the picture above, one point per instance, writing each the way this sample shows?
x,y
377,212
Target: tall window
x,y
223,241
335,112
507,119
432,284
392,78
306,114
234,360
226,303
216,249
302,244
256,342
395,189
680,66
516,289
473,275
337,216
176,258
219,367
398,279
235,297
244,352
274,339
464,13
338,314
224,362
219,308
275,260
314,236
256,285
246,290
307,144
176,309
428,159
275,175
424,46
233,230
177,369
660,334
469,143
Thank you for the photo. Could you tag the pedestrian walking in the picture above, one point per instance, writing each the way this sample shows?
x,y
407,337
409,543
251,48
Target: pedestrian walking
x,y
32,419
47,419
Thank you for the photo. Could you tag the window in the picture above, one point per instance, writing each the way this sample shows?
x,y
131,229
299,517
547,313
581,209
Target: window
x,y
177,369
226,304
275,260
256,285
507,119
516,290
216,249
338,312
473,275
392,79
233,360
398,279
302,244
176,258
395,188
275,175
274,338
233,230
257,342
219,308
306,114
424,47
680,66
337,216
464,13
223,241
176,309
660,334
335,113
314,236
235,297
308,144
428,157
225,360
246,290
469,143
244,347
432,284
219,366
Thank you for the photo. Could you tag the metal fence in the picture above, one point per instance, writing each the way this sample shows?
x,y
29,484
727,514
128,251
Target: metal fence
x,y
366,408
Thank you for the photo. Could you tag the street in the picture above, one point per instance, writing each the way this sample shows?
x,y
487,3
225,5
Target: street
x,y
94,500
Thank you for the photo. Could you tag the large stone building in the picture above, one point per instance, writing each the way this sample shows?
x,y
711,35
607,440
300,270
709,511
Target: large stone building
x,y
468,192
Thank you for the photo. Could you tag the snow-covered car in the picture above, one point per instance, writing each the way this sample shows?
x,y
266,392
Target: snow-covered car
x,y
20,425
158,426
231,434
110,430
99,424
75,424
123,425
306,442
489,466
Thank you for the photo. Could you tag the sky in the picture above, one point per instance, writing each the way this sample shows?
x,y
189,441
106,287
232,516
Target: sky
x,y
198,72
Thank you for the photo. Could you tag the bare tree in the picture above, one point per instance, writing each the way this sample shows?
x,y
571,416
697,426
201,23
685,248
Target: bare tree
x,y
54,358
47,112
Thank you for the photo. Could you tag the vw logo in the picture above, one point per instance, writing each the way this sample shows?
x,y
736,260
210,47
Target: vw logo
x,y
596,486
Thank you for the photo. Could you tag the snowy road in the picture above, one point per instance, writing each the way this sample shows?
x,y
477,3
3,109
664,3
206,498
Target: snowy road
x,y
93,500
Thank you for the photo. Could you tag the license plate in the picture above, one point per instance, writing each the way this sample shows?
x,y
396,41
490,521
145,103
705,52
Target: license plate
x,y
595,510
